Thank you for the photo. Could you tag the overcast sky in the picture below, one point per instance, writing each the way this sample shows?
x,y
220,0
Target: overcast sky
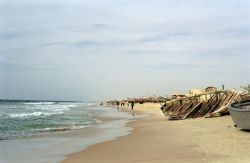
x,y
111,49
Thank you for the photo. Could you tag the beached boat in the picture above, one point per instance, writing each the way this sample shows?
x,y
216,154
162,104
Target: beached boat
x,y
240,113
208,104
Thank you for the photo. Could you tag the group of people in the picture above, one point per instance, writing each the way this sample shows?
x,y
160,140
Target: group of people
x,y
123,104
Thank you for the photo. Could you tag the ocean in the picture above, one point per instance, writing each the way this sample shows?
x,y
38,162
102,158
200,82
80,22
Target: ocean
x,y
46,131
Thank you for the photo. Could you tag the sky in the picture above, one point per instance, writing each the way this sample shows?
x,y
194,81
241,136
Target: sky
x,y
106,49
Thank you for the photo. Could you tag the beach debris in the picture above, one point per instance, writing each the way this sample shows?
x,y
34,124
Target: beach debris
x,y
199,103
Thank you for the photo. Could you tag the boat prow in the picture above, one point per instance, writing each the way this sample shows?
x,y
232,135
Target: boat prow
x,y
240,113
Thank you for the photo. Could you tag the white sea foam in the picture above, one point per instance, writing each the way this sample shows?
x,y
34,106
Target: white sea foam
x,y
62,128
42,109
52,107
39,103
34,114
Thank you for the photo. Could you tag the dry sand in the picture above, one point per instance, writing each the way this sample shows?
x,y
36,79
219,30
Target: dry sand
x,y
157,140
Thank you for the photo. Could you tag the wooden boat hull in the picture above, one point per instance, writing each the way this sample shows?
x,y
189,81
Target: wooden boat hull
x,y
209,104
240,113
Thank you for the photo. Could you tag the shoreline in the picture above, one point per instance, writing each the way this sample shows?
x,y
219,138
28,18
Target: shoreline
x,y
54,145
155,139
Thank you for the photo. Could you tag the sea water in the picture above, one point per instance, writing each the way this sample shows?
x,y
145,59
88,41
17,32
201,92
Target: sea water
x,y
46,131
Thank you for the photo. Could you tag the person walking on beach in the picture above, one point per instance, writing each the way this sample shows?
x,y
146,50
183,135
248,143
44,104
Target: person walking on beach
x,y
132,105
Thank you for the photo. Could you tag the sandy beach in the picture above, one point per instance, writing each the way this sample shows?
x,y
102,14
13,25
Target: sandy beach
x,y
156,139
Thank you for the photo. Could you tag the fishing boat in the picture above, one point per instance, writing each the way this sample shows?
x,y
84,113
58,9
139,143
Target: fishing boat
x,y
240,113
208,104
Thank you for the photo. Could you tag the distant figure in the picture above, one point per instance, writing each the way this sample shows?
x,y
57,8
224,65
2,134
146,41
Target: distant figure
x,y
132,105
117,103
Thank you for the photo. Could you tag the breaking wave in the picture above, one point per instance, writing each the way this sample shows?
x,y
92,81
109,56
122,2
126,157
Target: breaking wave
x,y
23,118
34,114
39,103
62,128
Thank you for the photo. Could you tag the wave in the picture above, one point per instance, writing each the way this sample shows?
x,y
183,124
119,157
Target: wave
x,y
52,107
41,109
34,114
39,103
63,128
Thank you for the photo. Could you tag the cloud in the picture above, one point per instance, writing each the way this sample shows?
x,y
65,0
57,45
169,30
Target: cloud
x,y
10,35
85,43
99,26
163,37
55,43
138,46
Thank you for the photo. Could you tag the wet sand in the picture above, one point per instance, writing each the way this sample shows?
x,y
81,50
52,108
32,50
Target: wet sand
x,y
155,139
